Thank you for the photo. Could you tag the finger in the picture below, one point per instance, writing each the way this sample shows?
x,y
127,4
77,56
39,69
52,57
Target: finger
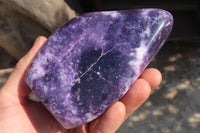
x,y
137,94
111,120
15,84
152,76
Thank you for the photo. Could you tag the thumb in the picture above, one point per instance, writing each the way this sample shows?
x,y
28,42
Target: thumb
x,y
15,84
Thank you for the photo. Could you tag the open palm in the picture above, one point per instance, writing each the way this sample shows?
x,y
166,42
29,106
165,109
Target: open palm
x,y
19,114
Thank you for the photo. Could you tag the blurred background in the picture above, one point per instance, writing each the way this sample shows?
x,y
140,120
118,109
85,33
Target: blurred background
x,y
173,107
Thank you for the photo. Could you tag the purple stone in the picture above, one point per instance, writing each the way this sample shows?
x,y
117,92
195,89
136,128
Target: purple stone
x,y
91,61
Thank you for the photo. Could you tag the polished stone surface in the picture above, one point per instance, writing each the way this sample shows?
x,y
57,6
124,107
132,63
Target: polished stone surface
x,y
91,61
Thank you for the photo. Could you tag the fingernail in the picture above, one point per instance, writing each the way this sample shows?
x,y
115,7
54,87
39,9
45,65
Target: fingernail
x,y
37,39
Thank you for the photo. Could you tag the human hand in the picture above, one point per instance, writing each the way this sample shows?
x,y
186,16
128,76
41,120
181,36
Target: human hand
x,y
19,114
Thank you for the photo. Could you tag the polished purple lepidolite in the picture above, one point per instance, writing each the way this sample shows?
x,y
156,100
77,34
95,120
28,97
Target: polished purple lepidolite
x,y
91,61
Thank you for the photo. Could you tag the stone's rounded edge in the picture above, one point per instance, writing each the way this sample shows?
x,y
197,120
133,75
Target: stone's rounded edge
x,y
169,18
164,13
166,25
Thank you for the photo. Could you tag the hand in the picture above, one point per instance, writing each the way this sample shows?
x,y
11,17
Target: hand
x,y
19,114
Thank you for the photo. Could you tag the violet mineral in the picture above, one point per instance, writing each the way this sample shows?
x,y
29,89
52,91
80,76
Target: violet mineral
x,y
91,61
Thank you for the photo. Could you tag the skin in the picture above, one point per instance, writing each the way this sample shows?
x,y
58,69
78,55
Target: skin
x,y
19,114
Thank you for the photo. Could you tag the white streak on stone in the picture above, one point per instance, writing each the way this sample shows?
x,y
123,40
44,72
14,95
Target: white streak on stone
x,y
113,14
45,89
140,53
131,54
147,32
145,12
89,116
39,70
